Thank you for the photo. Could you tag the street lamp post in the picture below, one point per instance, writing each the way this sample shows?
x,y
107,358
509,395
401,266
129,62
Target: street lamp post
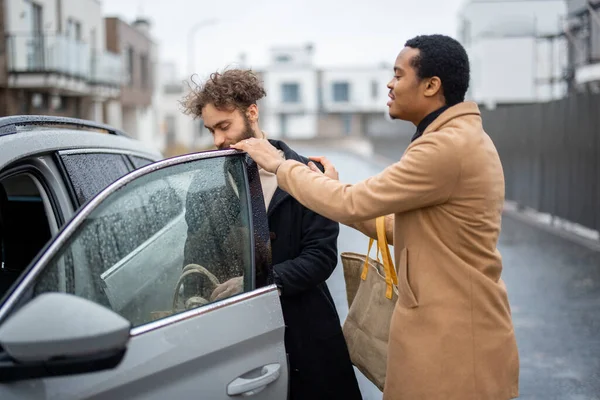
x,y
191,33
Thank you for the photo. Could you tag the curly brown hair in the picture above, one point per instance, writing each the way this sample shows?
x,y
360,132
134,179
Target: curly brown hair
x,y
231,89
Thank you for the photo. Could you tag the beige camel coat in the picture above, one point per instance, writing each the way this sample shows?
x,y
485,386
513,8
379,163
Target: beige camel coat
x,y
451,335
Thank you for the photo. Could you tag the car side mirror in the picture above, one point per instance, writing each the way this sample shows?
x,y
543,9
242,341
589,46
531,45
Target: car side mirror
x,y
60,334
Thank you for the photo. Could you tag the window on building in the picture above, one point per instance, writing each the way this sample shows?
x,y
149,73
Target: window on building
x,y
39,101
78,31
78,107
36,47
374,89
283,124
37,20
347,122
129,54
145,71
466,32
341,92
290,92
283,58
73,29
170,129
320,97
594,39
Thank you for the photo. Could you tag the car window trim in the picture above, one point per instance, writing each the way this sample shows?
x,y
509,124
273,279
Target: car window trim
x,y
182,316
38,176
102,150
68,182
40,262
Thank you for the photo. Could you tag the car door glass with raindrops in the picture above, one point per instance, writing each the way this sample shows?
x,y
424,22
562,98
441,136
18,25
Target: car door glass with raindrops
x,y
89,173
162,244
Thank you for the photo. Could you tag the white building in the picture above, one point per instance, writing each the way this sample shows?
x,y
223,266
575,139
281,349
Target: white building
x,y
181,132
304,101
290,109
56,59
354,102
135,111
516,49
582,30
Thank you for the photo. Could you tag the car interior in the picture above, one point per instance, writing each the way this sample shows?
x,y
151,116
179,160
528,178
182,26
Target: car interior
x,y
24,227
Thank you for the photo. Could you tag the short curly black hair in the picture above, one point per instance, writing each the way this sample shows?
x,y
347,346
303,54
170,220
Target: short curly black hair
x,y
228,90
446,58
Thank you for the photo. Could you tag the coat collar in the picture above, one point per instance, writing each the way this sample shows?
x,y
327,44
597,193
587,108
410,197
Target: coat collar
x,y
279,196
456,111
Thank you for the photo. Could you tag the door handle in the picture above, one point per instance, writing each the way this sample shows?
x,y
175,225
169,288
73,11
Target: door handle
x,y
248,387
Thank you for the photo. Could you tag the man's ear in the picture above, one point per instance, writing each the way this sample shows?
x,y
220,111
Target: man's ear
x,y
433,86
252,113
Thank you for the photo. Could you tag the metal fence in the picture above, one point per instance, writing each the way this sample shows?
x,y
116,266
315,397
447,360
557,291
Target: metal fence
x,y
551,156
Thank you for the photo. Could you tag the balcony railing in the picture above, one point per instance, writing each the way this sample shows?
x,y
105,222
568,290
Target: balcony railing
x,y
107,68
48,53
42,53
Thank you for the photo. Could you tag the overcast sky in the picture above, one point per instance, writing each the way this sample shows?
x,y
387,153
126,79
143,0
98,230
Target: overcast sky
x,y
351,32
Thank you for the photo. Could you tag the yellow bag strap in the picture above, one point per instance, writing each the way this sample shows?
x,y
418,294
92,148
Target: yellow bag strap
x,y
388,264
365,270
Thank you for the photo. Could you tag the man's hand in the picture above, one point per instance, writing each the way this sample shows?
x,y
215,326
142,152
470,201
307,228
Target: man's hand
x,y
262,152
230,288
330,170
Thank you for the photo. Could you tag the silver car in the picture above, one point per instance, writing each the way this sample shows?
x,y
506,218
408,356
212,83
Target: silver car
x,y
95,297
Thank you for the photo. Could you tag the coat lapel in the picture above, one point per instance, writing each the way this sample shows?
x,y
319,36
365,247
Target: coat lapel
x,y
277,199
280,196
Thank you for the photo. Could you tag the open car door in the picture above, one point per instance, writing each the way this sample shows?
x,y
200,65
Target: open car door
x,y
121,305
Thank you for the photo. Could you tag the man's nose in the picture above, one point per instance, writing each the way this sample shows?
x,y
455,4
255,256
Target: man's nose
x,y
219,140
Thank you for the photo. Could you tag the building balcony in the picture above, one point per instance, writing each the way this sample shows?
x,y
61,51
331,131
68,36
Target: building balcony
x,y
34,54
107,69
587,73
60,64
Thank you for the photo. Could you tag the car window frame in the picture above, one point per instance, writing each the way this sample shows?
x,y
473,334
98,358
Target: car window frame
x,y
37,171
67,179
21,294
51,203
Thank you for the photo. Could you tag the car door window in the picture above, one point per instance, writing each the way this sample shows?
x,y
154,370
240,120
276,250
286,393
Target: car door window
x,y
162,243
91,172
139,162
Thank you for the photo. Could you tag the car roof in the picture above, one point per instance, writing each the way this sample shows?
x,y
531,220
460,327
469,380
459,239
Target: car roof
x,y
26,136
11,124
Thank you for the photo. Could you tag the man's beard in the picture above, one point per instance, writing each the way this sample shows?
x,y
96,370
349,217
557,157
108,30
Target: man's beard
x,y
247,133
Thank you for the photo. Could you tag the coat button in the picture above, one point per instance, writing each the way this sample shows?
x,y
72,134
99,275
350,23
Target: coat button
x,y
273,235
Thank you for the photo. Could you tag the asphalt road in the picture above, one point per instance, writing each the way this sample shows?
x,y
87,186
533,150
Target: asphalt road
x,y
554,290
